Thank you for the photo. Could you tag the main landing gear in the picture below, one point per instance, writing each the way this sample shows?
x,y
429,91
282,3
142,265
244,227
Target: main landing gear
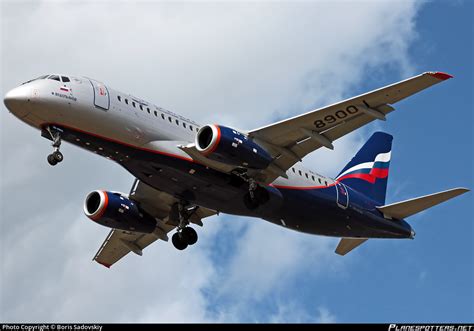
x,y
256,196
185,236
56,156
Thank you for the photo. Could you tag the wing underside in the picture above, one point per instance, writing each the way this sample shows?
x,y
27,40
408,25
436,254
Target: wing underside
x,y
158,204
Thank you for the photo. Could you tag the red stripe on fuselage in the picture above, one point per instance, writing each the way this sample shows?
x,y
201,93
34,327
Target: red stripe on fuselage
x,y
123,143
301,187
174,155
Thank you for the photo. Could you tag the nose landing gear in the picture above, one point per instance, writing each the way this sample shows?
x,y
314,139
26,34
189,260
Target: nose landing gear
x,y
56,156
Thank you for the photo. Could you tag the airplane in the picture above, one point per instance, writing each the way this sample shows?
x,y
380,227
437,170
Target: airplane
x,y
185,172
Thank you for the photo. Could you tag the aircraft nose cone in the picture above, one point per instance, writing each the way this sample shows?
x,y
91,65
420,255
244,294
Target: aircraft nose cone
x,y
17,100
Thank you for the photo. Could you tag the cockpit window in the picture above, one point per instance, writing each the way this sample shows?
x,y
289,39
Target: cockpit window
x,y
40,77
55,77
65,79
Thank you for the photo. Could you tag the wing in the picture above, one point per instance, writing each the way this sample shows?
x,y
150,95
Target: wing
x,y
290,140
160,205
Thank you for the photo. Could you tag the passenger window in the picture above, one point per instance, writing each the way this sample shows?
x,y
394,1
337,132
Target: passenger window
x,y
319,179
148,110
156,114
197,129
65,79
306,175
141,107
55,77
312,177
325,183
300,173
133,104
126,101
293,170
169,119
177,122
191,127
163,116
184,125
119,98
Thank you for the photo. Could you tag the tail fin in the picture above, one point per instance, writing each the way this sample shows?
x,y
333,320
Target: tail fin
x,y
367,172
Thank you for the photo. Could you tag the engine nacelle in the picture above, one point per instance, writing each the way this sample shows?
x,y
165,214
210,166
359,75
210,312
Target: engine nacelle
x,y
116,211
229,146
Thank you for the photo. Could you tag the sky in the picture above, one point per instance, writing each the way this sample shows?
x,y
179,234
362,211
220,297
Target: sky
x,y
241,64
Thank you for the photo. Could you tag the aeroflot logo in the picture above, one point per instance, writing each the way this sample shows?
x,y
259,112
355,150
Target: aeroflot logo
x,y
369,171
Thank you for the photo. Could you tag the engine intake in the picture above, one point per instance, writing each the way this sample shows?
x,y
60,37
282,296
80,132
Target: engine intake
x,y
232,147
116,211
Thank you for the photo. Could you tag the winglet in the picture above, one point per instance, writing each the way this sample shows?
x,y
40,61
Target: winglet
x,y
439,75
104,264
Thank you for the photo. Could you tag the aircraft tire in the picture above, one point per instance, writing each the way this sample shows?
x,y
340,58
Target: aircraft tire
x,y
52,160
261,195
189,235
58,156
178,242
250,203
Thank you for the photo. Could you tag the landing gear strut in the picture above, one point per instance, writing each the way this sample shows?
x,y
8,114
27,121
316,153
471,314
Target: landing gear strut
x,y
256,195
56,156
185,236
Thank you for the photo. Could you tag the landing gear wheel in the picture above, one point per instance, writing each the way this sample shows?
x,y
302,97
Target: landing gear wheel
x,y
52,160
55,157
58,156
178,241
261,195
256,196
189,235
249,202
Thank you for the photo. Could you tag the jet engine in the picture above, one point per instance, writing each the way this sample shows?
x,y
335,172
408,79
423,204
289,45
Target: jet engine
x,y
114,210
232,147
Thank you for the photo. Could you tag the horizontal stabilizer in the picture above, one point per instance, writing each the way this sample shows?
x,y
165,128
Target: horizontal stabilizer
x,y
400,210
348,244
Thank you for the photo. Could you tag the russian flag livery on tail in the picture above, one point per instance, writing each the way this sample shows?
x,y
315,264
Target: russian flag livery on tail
x,y
367,172
184,172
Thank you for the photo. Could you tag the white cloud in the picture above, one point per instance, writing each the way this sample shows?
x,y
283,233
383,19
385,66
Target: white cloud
x,y
422,276
294,313
324,316
241,64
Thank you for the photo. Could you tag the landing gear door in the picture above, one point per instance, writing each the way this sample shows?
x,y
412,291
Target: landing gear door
x,y
101,95
342,195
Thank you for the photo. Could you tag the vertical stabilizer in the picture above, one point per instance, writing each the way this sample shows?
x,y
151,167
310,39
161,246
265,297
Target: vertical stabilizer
x,y
367,172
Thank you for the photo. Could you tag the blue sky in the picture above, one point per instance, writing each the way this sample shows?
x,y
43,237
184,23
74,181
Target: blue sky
x,y
429,279
208,63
